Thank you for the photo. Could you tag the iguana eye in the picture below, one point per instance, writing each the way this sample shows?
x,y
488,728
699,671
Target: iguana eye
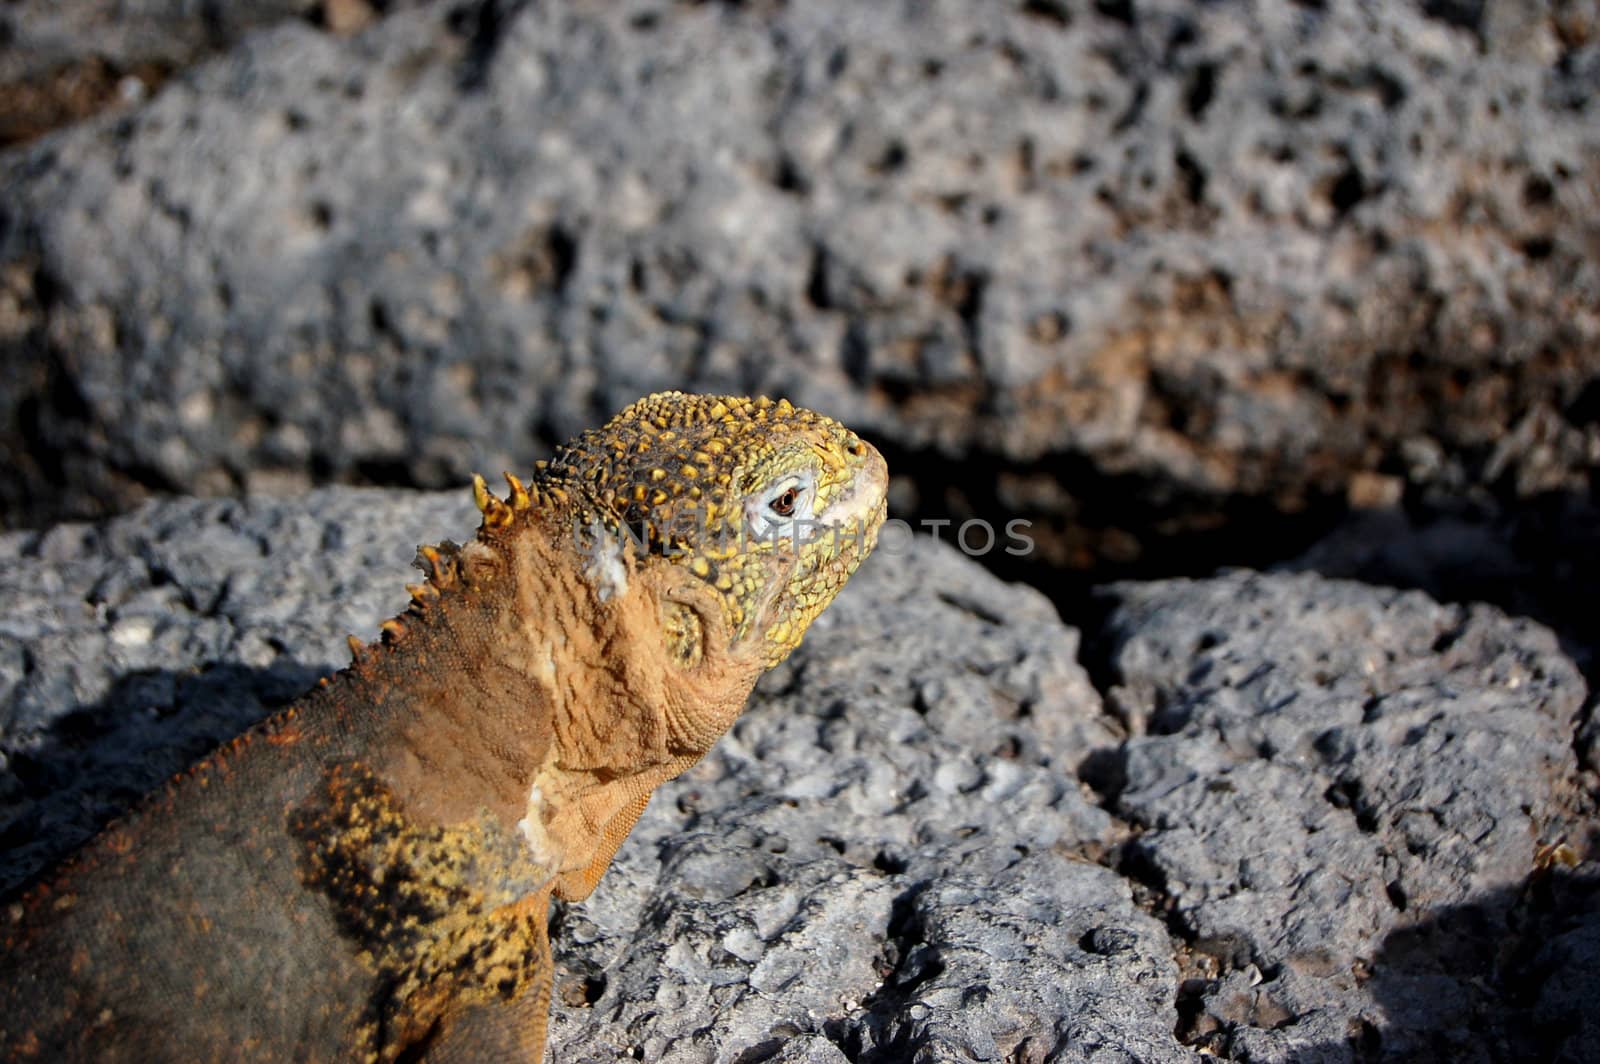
x,y
783,508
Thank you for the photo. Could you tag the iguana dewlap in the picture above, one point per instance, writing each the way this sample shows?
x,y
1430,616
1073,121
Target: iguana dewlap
x,y
366,875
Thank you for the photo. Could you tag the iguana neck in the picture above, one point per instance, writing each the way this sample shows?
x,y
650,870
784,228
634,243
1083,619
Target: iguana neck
x,y
522,684
451,708
513,663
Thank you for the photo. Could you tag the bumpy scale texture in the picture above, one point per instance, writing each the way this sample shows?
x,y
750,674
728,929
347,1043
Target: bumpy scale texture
x,y
366,875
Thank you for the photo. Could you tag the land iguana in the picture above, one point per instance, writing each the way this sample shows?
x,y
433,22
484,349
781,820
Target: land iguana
x,y
366,875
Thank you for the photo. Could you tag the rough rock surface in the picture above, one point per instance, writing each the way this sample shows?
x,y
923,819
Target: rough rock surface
x,y
130,648
1221,250
889,850
832,871
40,36
1540,561
62,61
1340,793
1311,833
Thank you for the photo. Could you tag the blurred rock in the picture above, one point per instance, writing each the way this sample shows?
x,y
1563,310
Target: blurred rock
x,y
1054,256
62,61
38,37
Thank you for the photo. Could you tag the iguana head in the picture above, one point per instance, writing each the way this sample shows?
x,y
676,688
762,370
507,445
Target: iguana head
x,y
769,506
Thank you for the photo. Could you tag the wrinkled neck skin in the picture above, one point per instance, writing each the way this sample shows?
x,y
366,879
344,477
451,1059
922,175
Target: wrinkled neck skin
x,y
546,695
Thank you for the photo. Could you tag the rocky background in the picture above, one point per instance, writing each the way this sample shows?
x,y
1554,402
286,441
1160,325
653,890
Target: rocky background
x,y
1311,286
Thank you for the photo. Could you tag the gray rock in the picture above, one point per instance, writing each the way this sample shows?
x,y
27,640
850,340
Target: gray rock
x,y
887,850
128,649
1312,832
62,61
1341,792
41,36
1540,561
1236,248
893,829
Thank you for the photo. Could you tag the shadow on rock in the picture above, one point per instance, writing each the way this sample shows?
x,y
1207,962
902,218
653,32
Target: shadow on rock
x,y
95,762
1510,976
1354,807
1507,976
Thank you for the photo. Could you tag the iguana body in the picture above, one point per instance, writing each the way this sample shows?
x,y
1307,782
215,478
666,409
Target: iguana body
x,y
366,875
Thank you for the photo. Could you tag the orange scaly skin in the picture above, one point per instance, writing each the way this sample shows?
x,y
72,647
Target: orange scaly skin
x,y
366,875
